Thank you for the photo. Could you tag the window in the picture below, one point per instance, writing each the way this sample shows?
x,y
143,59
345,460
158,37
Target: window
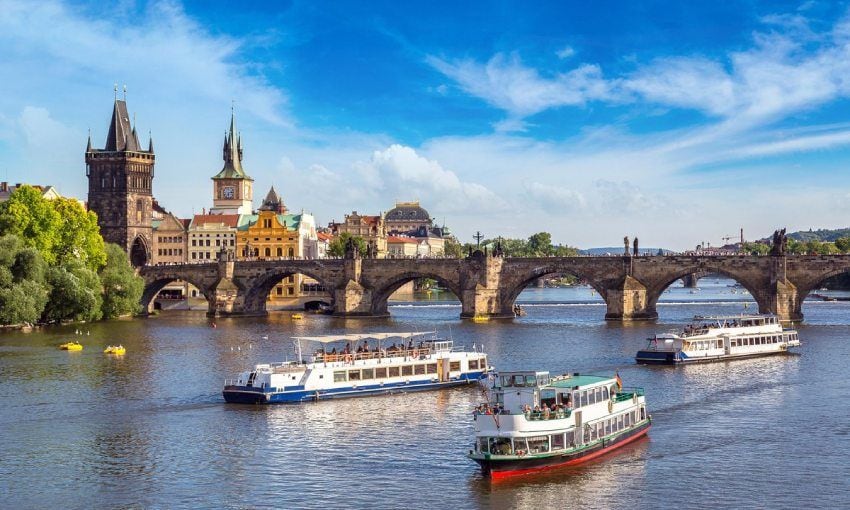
x,y
291,252
431,368
290,291
482,445
268,252
591,397
339,376
627,420
280,252
501,446
557,441
538,444
279,290
473,365
368,373
380,373
407,370
419,369
569,438
520,444
354,375
605,394
454,366
393,371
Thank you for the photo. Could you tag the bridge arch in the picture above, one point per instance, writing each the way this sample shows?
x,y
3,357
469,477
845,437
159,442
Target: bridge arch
x,y
381,294
256,295
514,288
805,285
655,289
154,285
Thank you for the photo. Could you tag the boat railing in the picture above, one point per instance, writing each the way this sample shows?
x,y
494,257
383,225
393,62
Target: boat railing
x,y
557,414
324,357
628,394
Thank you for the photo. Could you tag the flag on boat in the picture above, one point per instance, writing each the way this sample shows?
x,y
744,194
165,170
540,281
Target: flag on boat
x,y
619,381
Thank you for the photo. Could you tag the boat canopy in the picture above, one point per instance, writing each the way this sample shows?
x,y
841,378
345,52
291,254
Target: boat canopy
x,y
326,339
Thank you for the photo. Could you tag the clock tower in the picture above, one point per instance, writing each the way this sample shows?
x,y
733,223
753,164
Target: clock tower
x,y
233,189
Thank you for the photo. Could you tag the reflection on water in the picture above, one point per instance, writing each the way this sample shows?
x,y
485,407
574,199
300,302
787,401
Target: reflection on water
x,y
150,429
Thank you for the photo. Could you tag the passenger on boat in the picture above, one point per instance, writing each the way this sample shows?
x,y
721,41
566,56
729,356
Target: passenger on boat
x,y
347,349
546,412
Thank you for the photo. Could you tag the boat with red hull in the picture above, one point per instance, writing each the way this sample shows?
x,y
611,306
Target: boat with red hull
x,y
534,422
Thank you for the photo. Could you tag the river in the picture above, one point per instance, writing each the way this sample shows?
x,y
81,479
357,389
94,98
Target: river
x,y
84,430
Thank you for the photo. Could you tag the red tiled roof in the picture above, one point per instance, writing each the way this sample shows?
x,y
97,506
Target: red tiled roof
x,y
323,236
230,220
399,239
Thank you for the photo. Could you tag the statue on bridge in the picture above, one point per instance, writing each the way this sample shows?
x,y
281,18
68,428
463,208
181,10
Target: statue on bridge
x,y
780,243
497,251
351,251
636,251
626,244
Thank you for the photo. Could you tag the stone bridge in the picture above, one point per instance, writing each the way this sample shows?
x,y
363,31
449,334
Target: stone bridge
x,y
488,286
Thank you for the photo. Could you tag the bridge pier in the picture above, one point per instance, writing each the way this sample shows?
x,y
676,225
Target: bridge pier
x,y
690,281
628,301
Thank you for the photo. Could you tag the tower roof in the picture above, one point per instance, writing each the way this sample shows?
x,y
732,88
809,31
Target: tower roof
x,y
232,154
122,135
273,202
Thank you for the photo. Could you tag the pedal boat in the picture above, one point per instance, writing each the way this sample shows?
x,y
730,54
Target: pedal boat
x,y
71,346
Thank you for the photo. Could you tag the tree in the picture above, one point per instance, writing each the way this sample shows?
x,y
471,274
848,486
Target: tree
x,y
540,245
843,244
453,249
337,246
60,229
23,291
122,288
75,294
756,248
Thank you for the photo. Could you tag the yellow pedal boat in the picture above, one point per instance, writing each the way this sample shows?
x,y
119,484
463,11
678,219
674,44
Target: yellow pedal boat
x,y
71,346
480,318
297,316
115,349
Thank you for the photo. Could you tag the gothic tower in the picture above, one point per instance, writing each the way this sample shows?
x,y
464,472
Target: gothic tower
x,y
233,189
120,178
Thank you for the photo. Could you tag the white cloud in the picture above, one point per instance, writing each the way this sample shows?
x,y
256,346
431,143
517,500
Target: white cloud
x,y
554,199
506,83
565,52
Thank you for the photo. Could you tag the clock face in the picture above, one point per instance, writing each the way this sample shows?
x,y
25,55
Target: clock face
x,y
227,192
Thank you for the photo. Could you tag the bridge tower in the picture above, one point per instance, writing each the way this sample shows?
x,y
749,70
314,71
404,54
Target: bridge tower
x,y
120,186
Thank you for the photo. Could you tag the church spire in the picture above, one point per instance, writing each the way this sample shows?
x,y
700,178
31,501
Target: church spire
x,y
121,135
88,145
150,142
232,153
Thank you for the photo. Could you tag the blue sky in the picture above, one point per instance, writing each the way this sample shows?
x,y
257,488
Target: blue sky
x,y
678,122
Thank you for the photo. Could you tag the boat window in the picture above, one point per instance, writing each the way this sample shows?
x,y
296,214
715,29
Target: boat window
x,y
368,373
605,394
557,441
473,364
600,394
482,363
591,397
627,420
482,445
501,446
419,369
538,444
354,375
569,438
339,376
393,371
519,381
507,381
407,370
454,366
380,373
607,427
600,429
530,380
520,445
589,434
431,368
642,413
720,344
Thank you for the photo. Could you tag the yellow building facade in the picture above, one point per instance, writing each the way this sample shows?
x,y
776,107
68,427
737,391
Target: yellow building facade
x,y
270,236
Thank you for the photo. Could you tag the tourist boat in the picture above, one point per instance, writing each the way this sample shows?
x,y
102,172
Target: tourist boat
x,y
359,368
719,338
115,349
534,422
71,346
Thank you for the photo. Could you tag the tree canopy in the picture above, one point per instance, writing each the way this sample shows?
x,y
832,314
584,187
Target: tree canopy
x,y
337,245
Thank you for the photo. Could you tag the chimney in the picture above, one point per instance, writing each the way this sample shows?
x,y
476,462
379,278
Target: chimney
x,y
4,186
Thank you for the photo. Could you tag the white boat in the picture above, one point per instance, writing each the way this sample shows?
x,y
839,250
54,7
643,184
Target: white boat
x,y
534,422
357,368
720,338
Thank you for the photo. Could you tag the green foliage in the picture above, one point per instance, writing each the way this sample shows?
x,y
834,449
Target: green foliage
x,y
337,245
537,245
59,229
22,303
23,291
453,249
843,244
756,248
122,288
33,219
75,294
